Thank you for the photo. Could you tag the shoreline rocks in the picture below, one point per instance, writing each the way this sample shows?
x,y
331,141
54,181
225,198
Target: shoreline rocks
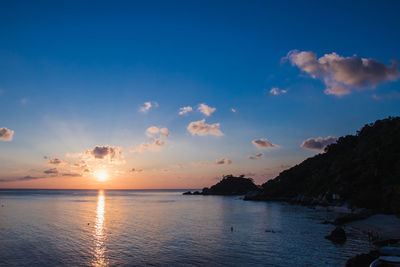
x,y
338,235
390,248
363,259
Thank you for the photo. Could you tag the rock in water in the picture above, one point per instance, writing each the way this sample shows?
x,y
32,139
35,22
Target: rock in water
x,y
337,236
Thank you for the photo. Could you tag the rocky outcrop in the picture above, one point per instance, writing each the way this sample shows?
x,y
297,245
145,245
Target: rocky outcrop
x,y
229,185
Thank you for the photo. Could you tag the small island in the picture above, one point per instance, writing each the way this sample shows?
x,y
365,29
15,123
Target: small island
x,y
229,186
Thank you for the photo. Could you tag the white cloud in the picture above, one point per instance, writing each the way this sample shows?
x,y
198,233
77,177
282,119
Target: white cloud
x,y
201,128
147,105
318,143
263,143
156,141
155,130
6,134
185,110
164,131
342,75
206,110
277,91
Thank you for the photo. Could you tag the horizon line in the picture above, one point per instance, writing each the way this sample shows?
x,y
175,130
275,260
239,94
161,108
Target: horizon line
x,y
100,189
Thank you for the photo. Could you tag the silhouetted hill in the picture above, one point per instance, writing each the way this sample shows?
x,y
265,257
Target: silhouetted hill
x,y
229,185
362,170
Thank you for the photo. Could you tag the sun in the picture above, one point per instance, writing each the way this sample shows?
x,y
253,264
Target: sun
x,y
101,176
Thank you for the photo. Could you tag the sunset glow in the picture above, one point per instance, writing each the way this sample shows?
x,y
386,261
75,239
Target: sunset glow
x,y
247,89
101,176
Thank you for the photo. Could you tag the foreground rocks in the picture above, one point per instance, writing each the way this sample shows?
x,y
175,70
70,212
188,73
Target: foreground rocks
x,y
391,248
362,260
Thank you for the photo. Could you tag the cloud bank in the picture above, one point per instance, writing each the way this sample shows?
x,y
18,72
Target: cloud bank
x,y
318,144
51,171
110,153
24,178
70,174
342,75
201,128
256,156
6,134
263,143
223,161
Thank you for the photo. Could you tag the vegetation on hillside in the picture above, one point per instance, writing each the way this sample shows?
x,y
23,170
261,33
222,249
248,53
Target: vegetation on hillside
x,y
231,185
361,169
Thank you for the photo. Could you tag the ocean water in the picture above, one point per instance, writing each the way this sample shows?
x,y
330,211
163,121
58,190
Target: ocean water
x,y
163,228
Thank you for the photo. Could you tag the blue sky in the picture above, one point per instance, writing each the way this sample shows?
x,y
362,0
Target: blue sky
x,y
74,75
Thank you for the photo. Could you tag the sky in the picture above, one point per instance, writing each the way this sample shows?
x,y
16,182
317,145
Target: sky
x,y
175,94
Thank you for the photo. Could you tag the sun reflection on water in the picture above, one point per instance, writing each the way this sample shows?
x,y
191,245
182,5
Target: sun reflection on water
x,y
99,237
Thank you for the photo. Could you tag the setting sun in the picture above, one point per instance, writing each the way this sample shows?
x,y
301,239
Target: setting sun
x,y
101,176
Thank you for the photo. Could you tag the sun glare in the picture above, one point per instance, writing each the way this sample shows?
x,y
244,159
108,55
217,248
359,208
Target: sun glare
x,y
101,176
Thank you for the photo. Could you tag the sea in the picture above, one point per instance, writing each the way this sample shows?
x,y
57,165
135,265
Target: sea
x,y
164,228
